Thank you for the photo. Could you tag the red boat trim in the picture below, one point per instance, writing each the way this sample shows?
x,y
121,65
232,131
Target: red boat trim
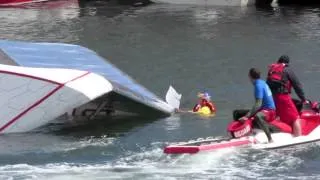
x,y
179,149
60,85
23,2
225,145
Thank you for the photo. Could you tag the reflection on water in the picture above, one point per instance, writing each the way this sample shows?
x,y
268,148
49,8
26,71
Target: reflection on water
x,y
59,10
172,123
28,22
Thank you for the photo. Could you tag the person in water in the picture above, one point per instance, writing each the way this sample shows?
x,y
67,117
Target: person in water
x,y
280,80
205,104
263,109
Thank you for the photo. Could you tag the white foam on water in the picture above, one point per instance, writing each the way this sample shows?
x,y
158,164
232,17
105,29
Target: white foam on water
x,y
205,16
228,163
86,142
81,144
34,149
154,164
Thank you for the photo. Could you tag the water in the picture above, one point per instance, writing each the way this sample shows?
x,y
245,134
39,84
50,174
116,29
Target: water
x,y
193,48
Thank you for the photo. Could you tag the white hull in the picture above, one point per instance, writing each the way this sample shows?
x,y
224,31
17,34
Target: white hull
x,y
256,141
285,139
210,2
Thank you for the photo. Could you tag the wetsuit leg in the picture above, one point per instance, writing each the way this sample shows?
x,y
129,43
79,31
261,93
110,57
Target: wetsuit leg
x,y
297,103
273,129
260,121
238,113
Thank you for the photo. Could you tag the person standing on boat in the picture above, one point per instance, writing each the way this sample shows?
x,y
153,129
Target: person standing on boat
x,y
281,79
263,109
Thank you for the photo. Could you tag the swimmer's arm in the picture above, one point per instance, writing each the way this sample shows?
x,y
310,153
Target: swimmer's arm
x,y
183,111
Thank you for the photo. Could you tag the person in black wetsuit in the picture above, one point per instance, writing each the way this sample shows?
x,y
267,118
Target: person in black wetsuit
x,y
281,79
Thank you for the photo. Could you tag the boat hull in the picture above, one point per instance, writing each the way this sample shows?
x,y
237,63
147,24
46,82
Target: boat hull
x,y
257,139
281,140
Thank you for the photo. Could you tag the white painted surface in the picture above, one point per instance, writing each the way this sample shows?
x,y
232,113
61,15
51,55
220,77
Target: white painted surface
x,y
173,98
92,85
57,104
19,95
16,97
285,139
52,74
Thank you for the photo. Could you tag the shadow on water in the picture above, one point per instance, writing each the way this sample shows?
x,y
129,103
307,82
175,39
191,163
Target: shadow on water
x,y
111,127
93,141
116,6
98,8
299,2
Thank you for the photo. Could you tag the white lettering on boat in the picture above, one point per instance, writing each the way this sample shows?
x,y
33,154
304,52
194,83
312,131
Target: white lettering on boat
x,y
242,132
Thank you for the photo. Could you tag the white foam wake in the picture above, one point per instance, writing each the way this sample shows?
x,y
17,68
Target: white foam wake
x,y
154,164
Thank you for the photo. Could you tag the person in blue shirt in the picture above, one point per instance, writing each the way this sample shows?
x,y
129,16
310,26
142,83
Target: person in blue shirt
x,y
263,109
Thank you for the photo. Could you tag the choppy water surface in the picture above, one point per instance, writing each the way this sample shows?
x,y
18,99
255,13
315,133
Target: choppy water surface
x,y
191,47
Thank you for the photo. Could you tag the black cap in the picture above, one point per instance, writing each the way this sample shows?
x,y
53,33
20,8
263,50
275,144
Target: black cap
x,y
284,59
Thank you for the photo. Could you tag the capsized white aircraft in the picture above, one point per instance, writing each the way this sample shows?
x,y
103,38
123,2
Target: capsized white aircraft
x,y
40,82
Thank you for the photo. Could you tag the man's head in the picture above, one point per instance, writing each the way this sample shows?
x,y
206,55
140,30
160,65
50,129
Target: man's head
x,y
204,96
284,59
254,74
